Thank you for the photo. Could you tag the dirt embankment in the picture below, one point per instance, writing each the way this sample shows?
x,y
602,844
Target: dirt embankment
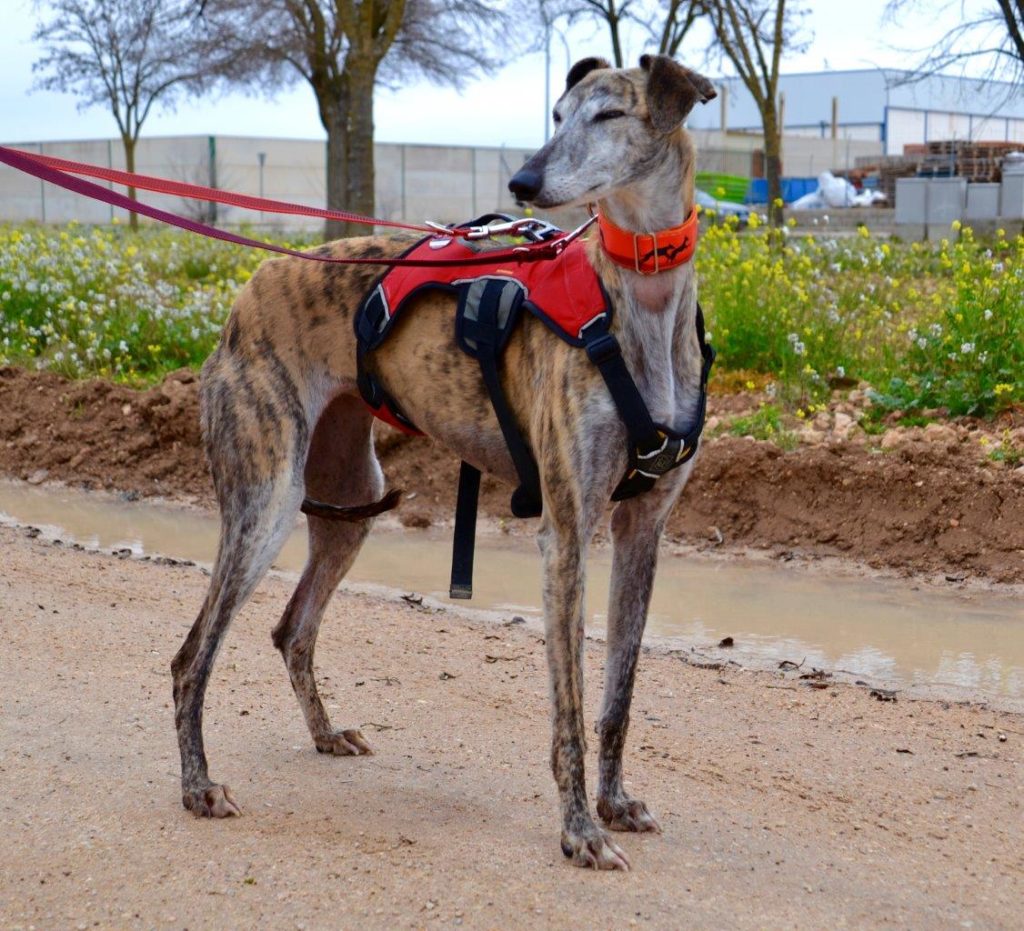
x,y
926,500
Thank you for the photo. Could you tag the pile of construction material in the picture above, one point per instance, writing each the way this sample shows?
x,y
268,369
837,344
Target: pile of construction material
x,y
977,162
837,192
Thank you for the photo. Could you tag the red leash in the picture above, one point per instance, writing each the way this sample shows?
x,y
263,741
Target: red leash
x,y
198,192
62,172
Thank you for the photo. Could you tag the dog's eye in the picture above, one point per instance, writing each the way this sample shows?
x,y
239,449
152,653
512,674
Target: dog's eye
x,y
556,117
608,115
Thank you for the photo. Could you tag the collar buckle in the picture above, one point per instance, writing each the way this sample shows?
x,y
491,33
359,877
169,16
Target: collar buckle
x,y
636,254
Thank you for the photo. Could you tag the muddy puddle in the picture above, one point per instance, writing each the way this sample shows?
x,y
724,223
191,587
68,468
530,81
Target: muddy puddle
x,y
894,633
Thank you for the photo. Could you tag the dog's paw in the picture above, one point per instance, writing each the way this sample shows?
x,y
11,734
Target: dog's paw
x,y
345,743
211,802
627,814
594,849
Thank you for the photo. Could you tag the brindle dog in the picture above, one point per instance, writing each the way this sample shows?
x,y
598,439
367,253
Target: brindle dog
x,y
282,419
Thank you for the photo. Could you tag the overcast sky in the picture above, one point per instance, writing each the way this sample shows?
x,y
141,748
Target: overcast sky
x,y
503,108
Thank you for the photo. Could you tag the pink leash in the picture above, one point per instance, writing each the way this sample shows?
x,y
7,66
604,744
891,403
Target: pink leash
x,y
62,172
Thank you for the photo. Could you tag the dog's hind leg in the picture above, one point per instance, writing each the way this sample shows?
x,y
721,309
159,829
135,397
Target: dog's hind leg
x,y
636,529
256,441
341,469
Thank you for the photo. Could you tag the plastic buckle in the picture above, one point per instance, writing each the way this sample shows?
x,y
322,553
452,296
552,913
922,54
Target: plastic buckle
x,y
602,349
666,457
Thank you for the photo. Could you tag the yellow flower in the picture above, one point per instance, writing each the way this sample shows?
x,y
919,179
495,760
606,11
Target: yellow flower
x,y
956,226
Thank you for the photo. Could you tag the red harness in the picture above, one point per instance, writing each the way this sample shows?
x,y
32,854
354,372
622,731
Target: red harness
x,y
565,293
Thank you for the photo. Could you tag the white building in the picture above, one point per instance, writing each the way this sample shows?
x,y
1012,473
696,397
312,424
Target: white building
x,y
878,105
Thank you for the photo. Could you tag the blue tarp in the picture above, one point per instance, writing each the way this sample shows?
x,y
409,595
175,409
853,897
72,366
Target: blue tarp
x,y
792,189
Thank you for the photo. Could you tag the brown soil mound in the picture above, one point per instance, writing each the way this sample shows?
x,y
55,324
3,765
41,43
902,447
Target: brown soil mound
x,y
925,501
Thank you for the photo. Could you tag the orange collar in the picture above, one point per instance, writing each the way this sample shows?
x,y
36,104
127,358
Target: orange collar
x,y
649,253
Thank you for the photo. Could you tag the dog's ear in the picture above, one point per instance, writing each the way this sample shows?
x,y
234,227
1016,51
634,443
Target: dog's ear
x,y
672,91
581,69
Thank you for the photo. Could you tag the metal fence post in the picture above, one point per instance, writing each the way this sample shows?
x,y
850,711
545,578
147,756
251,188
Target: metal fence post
x,y
211,143
42,194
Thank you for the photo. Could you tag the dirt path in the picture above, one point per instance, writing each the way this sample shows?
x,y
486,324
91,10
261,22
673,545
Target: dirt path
x,y
783,806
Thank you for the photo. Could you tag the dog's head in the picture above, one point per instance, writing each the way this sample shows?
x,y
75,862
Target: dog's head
x,y
611,127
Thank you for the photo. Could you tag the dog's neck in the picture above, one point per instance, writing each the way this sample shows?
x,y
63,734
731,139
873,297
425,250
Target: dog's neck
x,y
646,207
657,313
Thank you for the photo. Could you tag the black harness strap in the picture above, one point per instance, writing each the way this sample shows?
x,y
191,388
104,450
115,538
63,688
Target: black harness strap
x,y
464,537
654,449
483,329
490,334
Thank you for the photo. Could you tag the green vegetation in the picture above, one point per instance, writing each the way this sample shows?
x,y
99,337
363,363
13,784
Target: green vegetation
x,y
93,301
764,424
930,326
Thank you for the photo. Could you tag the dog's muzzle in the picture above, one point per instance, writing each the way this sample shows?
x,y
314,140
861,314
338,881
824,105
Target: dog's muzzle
x,y
526,183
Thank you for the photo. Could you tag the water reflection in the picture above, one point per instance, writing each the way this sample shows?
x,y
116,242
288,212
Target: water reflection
x,y
883,630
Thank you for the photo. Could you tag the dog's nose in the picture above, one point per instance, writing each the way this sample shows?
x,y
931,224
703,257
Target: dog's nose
x,y
526,184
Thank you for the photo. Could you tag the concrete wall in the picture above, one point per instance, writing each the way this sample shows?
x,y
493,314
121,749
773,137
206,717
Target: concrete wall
x,y
413,182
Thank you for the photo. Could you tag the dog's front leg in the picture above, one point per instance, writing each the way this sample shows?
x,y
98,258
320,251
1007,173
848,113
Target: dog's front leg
x,y
636,530
563,543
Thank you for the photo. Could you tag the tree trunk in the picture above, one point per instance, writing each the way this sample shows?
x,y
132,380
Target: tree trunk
x,y
334,117
337,173
773,166
129,165
361,176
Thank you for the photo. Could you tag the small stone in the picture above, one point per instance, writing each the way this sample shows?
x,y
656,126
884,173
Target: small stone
x,y
38,477
893,439
811,436
940,433
843,424
126,410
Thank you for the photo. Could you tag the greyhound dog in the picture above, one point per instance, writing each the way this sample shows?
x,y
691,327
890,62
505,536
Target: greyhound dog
x,y
282,419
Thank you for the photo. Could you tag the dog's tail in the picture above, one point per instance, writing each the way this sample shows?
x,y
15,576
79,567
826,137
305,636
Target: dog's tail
x,y
352,514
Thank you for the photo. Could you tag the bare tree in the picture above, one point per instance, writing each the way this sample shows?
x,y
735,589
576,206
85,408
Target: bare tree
x,y
989,33
127,55
753,34
344,50
666,22
672,23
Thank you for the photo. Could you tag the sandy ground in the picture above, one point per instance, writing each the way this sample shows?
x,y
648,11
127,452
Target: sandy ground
x,y
783,806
